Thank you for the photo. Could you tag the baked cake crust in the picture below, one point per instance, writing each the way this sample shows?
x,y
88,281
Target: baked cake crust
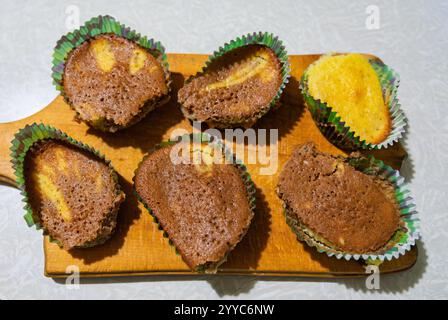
x,y
72,193
203,208
113,82
235,90
352,211
350,86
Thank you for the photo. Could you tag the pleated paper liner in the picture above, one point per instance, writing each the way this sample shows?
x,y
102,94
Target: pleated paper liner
x,y
403,239
107,25
334,128
24,140
230,158
260,38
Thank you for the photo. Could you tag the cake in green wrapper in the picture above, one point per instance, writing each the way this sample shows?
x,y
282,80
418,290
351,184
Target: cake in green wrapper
x,y
353,100
203,205
110,75
70,190
354,207
239,84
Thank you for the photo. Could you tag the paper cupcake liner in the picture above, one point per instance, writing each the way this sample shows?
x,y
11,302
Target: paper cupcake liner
x,y
24,140
217,144
403,239
106,25
336,131
261,38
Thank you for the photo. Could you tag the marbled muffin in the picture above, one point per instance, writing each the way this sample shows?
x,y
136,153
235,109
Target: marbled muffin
x,y
349,85
235,90
203,207
72,193
113,82
329,200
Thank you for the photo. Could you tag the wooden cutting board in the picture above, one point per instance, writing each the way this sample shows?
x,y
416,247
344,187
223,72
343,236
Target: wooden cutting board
x,y
139,248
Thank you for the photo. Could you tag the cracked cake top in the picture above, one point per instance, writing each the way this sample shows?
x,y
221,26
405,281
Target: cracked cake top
x,y
345,208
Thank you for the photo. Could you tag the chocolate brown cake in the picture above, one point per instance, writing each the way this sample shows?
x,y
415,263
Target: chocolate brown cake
x,y
328,199
113,82
73,194
235,90
204,207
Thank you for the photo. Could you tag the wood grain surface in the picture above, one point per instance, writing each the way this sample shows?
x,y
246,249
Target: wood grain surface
x,y
139,248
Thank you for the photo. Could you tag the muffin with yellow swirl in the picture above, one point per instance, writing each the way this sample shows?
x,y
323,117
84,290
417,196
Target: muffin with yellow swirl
x,y
239,84
111,78
70,190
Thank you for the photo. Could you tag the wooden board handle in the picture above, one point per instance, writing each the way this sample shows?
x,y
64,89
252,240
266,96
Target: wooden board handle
x,y
6,171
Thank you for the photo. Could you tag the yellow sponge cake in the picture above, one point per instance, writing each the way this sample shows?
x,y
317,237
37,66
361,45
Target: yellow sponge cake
x,y
349,85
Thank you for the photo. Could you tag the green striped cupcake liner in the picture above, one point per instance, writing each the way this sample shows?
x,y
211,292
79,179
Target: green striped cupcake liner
x,y
260,38
24,140
334,128
97,26
403,239
230,158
